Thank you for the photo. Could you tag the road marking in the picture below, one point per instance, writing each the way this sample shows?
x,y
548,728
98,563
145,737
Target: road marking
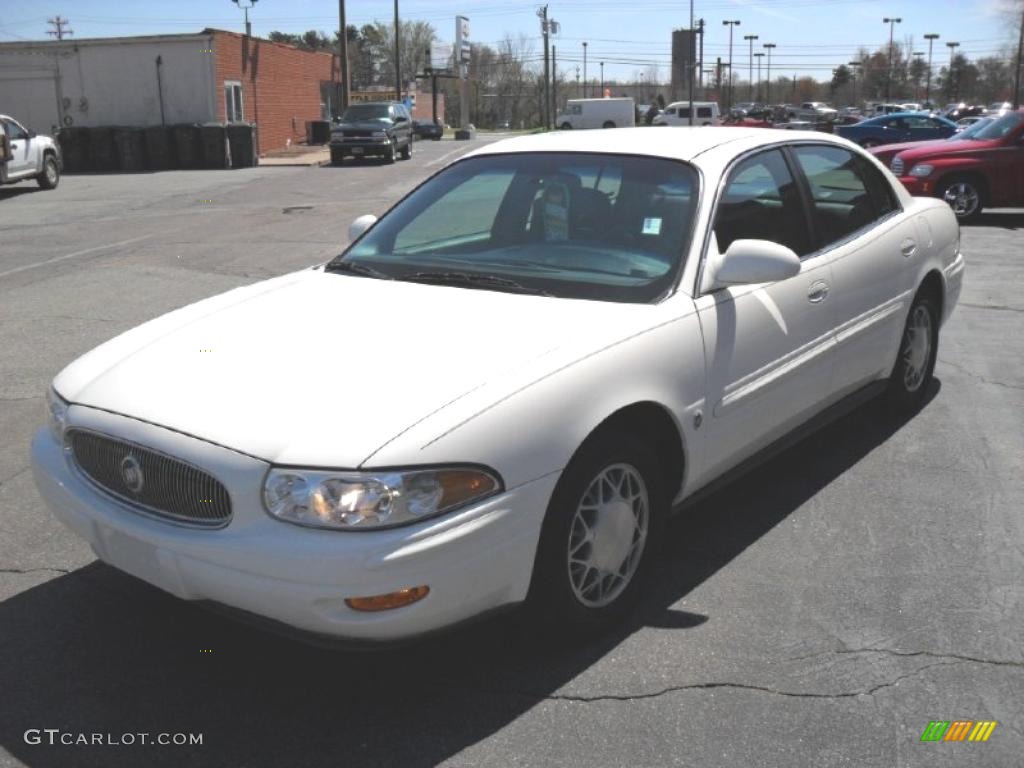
x,y
76,254
445,156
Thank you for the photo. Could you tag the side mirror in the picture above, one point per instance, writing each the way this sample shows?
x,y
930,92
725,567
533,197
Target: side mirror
x,y
748,262
401,119
360,225
31,134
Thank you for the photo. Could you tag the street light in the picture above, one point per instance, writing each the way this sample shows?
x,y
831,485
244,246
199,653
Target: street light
x,y
856,65
955,80
398,58
730,25
931,37
888,80
917,76
602,81
245,5
759,55
584,69
768,90
750,65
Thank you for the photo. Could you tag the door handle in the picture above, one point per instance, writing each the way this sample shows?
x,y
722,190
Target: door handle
x,y
817,292
907,247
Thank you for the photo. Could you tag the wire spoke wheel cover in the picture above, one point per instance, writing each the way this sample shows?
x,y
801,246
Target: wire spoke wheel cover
x,y
607,535
917,348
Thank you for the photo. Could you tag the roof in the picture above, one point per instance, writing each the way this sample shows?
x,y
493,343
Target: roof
x,y
73,41
674,142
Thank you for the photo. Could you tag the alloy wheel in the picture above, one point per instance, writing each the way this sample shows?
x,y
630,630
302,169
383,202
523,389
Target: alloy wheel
x,y
917,347
962,197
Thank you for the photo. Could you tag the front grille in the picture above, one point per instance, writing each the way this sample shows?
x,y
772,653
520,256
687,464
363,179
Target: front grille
x,y
149,481
357,134
897,166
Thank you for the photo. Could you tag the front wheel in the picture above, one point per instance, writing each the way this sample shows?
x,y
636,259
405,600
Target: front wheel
x,y
392,153
608,124
566,126
50,177
597,540
963,195
919,349
407,151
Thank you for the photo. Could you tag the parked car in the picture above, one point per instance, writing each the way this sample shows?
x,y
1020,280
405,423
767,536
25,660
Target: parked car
x,y
24,155
597,113
473,443
966,122
812,111
372,129
897,127
426,129
753,118
998,107
981,167
885,153
963,110
678,113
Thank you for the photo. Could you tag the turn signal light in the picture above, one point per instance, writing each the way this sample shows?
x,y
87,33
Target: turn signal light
x,y
388,602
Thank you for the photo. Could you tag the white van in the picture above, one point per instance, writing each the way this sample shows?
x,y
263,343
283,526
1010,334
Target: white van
x,y
597,113
678,113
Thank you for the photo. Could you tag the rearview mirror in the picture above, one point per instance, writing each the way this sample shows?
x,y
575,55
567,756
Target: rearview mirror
x,y
748,262
360,225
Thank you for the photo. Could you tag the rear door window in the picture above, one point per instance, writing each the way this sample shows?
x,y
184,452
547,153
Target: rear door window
x,y
841,203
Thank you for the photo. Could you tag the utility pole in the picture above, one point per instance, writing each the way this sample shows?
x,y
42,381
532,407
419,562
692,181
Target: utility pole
x,y
343,57
585,83
602,81
398,57
768,93
730,24
1016,70
954,81
750,64
543,13
690,73
58,25
892,22
856,74
917,78
700,60
554,80
245,5
759,55
931,37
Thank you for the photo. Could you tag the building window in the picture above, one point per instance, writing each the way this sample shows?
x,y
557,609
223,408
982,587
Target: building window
x,y
233,112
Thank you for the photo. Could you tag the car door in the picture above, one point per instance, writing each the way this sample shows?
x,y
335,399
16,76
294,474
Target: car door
x,y
22,159
872,247
768,347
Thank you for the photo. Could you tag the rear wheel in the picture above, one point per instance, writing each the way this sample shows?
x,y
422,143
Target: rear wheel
x,y
608,124
566,126
964,196
50,176
919,349
598,537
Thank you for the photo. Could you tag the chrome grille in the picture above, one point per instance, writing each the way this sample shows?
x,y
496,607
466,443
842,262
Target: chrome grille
x,y
164,486
897,166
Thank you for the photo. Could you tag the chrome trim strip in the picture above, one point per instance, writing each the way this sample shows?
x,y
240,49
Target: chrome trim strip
x,y
872,317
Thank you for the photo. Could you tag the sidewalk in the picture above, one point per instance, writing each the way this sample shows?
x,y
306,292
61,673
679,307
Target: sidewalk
x,y
298,155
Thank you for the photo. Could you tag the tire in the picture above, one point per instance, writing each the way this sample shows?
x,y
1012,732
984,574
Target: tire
x,y
919,347
392,154
407,151
608,124
50,177
565,593
964,195
566,126
337,158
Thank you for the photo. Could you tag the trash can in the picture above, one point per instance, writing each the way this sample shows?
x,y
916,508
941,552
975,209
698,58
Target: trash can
x,y
159,147
318,131
213,145
74,149
242,145
103,149
186,146
131,149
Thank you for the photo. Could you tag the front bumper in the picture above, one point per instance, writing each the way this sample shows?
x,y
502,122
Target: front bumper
x,y
475,560
360,148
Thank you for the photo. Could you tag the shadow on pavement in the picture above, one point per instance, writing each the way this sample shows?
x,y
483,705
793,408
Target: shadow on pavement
x,y
1003,219
95,651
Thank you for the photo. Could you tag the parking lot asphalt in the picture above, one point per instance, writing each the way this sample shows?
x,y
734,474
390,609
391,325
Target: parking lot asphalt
x,y
818,612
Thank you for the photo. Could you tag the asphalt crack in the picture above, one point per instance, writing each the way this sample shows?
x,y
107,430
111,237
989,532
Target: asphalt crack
x,y
930,654
979,377
995,307
34,570
21,471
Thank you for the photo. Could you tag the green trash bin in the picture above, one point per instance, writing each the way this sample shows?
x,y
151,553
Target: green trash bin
x,y
159,146
242,144
186,146
213,145
131,149
103,149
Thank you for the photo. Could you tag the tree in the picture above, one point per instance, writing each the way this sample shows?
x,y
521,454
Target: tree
x,y
958,81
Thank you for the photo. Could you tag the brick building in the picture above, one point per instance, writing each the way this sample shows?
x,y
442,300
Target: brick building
x,y
212,76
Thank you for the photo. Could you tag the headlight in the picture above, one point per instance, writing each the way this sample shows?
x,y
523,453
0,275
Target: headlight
x,y
380,134
56,414
364,500
922,170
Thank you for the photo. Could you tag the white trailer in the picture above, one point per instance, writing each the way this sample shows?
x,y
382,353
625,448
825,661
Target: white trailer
x,y
597,113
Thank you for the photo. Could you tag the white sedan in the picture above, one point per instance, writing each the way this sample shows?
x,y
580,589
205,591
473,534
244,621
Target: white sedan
x,y
502,388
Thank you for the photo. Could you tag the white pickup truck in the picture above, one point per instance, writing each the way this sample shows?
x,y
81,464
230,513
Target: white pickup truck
x,y
26,155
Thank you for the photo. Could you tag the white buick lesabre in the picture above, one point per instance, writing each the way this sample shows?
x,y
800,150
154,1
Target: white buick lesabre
x,y
501,389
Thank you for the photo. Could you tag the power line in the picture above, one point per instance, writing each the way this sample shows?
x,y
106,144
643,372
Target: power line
x,y
58,25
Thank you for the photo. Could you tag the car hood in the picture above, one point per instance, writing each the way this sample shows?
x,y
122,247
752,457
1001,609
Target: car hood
x,y
923,150
323,369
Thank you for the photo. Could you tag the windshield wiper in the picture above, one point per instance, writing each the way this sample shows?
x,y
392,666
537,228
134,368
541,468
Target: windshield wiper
x,y
473,280
355,268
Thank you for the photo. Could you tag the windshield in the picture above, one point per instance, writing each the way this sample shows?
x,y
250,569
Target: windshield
x,y
993,129
591,226
365,112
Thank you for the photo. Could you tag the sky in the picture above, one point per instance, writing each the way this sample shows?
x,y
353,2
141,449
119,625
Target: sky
x,y
812,36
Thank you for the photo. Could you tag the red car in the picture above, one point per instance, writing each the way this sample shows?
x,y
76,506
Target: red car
x,y
981,167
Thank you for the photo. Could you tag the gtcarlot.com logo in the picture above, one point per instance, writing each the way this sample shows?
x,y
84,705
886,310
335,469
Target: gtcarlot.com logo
x,y
958,730
55,737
